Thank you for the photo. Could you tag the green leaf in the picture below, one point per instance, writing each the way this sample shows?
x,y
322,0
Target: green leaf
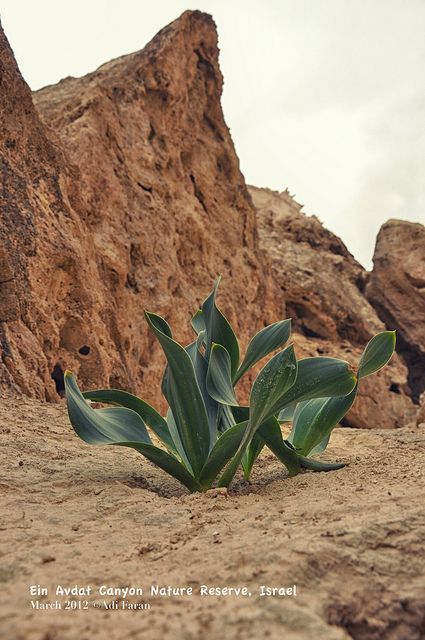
x,y
377,353
272,383
219,330
219,376
174,432
263,343
198,323
318,378
148,414
319,448
223,450
122,427
184,397
240,413
274,379
271,434
251,454
201,370
287,414
316,465
102,426
315,419
227,418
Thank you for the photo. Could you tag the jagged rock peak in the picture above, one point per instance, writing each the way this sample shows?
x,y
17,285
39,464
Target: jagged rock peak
x,y
135,201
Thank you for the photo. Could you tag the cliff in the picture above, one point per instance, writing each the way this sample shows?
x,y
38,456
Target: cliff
x,y
122,192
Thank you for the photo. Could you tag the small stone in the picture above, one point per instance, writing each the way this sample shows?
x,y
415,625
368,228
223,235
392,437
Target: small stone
x,y
47,558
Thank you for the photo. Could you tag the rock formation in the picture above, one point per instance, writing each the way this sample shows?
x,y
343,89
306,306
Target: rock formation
x,y
322,286
122,191
321,283
397,291
128,196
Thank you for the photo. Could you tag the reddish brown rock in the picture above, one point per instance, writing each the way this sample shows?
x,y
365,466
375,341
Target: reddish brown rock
x,y
397,291
128,196
322,288
122,191
382,400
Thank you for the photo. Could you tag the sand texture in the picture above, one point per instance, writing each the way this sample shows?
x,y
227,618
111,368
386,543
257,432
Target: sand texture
x,y
351,540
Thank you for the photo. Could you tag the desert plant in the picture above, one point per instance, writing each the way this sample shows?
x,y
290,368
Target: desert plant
x,y
206,435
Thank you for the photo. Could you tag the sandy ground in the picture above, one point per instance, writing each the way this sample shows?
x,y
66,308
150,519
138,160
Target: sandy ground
x,y
351,540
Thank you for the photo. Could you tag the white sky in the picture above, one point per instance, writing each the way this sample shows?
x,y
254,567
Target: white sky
x,y
325,97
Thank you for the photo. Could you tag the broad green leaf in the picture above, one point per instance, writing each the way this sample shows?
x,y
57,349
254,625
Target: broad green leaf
x,y
165,383
316,465
219,330
263,343
287,414
148,414
271,434
251,454
318,378
122,427
102,426
227,418
174,432
274,379
315,419
377,353
319,448
219,376
272,383
223,450
240,413
201,370
184,397
198,323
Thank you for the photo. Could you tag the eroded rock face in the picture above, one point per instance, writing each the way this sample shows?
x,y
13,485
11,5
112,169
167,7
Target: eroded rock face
x,y
397,291
322,286
128,196
382,400
122,192
321,282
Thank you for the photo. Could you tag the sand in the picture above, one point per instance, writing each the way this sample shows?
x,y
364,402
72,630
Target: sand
x,y
351,540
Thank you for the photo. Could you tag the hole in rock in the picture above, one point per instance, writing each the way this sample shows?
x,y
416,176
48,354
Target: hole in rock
x,y
309,333
346,423
57,376
394,387
84,350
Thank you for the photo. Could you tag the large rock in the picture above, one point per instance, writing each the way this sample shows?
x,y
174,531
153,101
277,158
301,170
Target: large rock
x,y
322,286
126,194
397,291
122,191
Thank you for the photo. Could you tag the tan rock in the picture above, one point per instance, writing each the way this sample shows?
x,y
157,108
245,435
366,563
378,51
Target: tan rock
x,y
382,401
322,284
322,287
129,196
397,291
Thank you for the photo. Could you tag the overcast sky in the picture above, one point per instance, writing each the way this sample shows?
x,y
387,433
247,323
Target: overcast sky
x,y
325,97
